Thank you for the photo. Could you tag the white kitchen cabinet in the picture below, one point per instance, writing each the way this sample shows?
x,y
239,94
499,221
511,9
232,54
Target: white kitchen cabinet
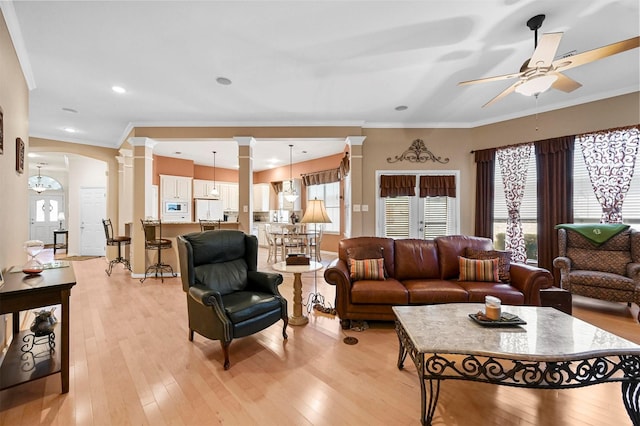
x,y
261,197
202,188
175,187
229,194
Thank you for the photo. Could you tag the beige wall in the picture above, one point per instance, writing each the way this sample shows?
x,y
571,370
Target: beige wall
x,y
457,144
14,101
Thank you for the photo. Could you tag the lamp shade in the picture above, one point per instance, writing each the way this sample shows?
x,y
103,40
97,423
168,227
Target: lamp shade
x,y
61,216
315,212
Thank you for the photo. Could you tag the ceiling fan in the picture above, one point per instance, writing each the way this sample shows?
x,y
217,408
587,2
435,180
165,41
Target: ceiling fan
x,y
541,72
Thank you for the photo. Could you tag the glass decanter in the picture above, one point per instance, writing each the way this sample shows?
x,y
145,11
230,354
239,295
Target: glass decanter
x,y
33,249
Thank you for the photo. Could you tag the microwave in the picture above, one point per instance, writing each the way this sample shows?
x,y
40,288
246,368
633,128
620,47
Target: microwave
x,y
176,207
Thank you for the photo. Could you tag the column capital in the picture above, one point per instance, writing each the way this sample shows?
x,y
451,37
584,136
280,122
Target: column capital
x,y
245,140
355,140
142,141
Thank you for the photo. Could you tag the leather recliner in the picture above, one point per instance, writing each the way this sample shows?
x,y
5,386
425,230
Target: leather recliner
x,y
226,296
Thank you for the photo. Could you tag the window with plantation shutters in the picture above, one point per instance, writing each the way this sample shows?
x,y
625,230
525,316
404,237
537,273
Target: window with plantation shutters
x,y
396,217
418,217
436,217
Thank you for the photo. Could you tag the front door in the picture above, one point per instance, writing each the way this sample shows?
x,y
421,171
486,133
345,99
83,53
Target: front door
x,y
43,212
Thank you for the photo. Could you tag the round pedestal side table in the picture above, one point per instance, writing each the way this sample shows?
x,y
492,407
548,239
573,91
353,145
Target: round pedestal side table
x,y
298,318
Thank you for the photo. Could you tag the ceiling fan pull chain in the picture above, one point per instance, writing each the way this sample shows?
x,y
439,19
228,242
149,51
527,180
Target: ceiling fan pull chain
x,y
537,111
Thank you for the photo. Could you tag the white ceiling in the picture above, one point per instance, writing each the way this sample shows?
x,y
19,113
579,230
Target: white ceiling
x,y
298,63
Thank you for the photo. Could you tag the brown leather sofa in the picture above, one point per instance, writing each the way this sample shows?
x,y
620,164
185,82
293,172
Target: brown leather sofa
x,y
422,272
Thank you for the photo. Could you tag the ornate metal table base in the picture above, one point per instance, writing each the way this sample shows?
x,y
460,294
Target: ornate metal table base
x,y
560,374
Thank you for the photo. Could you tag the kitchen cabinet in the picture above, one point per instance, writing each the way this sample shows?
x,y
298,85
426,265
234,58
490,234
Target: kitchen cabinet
x,y
175,188
229,194
202,188
261,197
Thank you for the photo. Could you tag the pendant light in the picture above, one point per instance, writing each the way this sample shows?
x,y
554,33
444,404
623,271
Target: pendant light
x,y
290,194
214,192
39,186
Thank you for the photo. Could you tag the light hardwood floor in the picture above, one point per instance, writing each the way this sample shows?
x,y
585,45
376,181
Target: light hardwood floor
x,y
132,364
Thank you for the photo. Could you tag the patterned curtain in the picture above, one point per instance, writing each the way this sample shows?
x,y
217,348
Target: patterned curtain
x,y
514,162
610,157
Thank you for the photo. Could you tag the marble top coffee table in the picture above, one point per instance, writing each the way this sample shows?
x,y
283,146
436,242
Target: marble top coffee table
x,y
552,351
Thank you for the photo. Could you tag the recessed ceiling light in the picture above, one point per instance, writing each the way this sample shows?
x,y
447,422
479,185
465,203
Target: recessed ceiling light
x,y
70,110
118,89
223,80
69,129
401,108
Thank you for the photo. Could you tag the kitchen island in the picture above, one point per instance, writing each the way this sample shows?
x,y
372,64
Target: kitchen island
x,y
170,231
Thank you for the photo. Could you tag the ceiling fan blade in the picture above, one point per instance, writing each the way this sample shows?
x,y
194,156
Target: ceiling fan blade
x,y
488,79
502,94
565,83
595,54
545,51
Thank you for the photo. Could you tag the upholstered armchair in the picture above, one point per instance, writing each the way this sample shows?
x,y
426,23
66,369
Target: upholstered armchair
x,y
226,296
608,271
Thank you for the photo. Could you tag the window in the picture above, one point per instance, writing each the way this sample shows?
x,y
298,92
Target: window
x,y
586,208
528,210
330,193
416,217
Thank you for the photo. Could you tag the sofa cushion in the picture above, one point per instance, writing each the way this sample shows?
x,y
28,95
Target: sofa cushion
x,y
386,292
478,270
387,245
614,262
416,259
452,246
435,291
367,269
504,260
508,294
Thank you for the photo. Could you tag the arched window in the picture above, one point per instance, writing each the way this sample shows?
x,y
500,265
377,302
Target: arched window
x,y
43,183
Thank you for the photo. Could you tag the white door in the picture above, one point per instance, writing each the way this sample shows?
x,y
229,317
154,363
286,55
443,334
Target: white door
x,y
43,212
93,208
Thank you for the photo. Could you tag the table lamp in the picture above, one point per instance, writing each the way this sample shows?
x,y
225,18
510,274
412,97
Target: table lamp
x,y
61,219
315,213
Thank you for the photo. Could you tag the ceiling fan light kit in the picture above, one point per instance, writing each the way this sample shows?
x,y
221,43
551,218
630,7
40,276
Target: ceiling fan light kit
x,y
536,85
541,72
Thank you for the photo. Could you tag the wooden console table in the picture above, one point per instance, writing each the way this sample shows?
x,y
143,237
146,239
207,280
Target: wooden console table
x,y
60,246
20,293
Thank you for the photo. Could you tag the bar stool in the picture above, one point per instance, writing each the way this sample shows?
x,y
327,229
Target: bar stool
x,y
119,241
158,244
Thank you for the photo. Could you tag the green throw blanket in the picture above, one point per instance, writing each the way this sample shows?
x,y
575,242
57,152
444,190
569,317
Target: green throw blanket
x,y
598,233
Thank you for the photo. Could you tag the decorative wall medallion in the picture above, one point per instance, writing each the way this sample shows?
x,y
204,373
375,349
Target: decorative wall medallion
x,y
19,155
418,153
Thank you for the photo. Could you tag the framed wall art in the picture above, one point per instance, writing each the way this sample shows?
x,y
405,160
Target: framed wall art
x,y
19,156
1,133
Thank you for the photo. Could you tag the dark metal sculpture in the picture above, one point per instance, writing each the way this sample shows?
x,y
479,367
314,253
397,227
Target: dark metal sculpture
x,y
418,153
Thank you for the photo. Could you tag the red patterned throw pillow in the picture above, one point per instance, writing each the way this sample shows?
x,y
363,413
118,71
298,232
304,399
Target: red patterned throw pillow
x,y
478,270
367,269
